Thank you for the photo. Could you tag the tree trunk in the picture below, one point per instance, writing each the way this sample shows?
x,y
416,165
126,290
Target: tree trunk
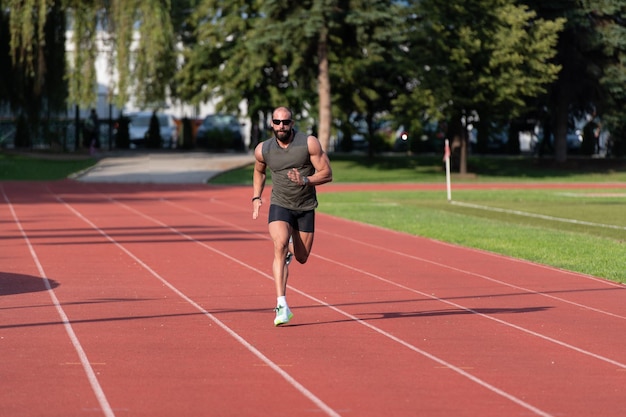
x,y
464,144
323,89
458,147
560,125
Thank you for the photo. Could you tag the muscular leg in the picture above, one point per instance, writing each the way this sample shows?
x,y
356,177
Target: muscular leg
x,y
280,232
301,246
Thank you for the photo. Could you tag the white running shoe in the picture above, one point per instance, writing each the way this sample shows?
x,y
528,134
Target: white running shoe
x,y
288,258
283,315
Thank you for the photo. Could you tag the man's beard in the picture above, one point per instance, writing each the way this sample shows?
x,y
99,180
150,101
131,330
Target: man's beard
x,y
283,135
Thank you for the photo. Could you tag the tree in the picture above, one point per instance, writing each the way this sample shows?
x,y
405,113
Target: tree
x,y
353,43
147,66
605,47
298,40
223,60
278,52
483,56
591,51
569,94
32,78
367,72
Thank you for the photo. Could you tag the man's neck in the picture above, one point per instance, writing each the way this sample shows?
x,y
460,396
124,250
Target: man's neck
x,y
288,142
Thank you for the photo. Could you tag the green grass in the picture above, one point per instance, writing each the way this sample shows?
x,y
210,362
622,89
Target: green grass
x,y
592,248
347,168
526,224
20,167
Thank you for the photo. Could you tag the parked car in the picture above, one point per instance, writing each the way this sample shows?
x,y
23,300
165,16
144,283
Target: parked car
x,y
574,140
220,132
139,123
357,138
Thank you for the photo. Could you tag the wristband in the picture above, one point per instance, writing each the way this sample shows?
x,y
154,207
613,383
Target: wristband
x,y
255,198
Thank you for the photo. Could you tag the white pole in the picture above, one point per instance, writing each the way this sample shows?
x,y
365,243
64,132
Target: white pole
x,y
446,158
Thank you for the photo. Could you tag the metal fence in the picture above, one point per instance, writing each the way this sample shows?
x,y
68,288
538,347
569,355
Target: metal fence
x,y
55,134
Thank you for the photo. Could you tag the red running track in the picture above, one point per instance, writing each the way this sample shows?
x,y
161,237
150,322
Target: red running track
x,y
156,300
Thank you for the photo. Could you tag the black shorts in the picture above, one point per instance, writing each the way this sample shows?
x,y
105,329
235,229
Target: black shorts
x,y
303,221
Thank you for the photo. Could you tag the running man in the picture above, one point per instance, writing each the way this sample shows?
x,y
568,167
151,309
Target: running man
x,y
298,164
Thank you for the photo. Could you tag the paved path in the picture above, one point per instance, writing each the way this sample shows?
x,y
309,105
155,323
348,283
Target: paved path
x,y
163,167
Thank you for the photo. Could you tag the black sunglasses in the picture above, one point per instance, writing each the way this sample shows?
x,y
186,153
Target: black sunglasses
x,y
277,122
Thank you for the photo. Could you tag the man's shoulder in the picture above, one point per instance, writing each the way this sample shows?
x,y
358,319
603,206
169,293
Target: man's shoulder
x,y
265,145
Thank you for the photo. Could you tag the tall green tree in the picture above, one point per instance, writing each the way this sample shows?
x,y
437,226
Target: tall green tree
x,y
575,88
297,36
484,56
139,33
368,44
278,52
605,48
33,76
223,61
591,51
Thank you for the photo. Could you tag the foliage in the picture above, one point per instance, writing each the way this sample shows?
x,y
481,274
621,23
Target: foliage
x,y
82,72
278,53
32,73
607,43
481,57
226,60
417,61
148,69
366,64
591,51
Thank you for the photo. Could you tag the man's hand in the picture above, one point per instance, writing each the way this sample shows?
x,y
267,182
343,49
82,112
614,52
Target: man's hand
x,y
256,205
294,175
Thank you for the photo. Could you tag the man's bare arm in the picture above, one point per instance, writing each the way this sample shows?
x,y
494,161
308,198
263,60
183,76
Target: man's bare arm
x,y
258,180
321,163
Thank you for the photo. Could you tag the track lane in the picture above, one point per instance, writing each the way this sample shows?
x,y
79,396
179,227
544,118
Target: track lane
x,y
592,328
29,305
529,310
331,340
131,324
150,207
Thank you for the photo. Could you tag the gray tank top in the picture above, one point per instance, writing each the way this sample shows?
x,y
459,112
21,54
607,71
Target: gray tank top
x,y
286,193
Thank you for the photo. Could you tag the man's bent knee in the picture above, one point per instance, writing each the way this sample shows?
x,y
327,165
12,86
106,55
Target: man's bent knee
x,y
302,258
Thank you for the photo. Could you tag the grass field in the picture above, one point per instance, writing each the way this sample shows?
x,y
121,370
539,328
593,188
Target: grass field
x,y
350,168
575,230
41,167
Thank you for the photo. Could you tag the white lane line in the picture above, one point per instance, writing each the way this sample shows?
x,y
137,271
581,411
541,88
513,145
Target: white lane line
x,y
503,322
356,319
537,216
91,375
488,278
372,327
275,367
525,330
548,338
491,279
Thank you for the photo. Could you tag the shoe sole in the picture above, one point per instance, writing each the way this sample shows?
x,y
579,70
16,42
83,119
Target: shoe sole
x,y
279,323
